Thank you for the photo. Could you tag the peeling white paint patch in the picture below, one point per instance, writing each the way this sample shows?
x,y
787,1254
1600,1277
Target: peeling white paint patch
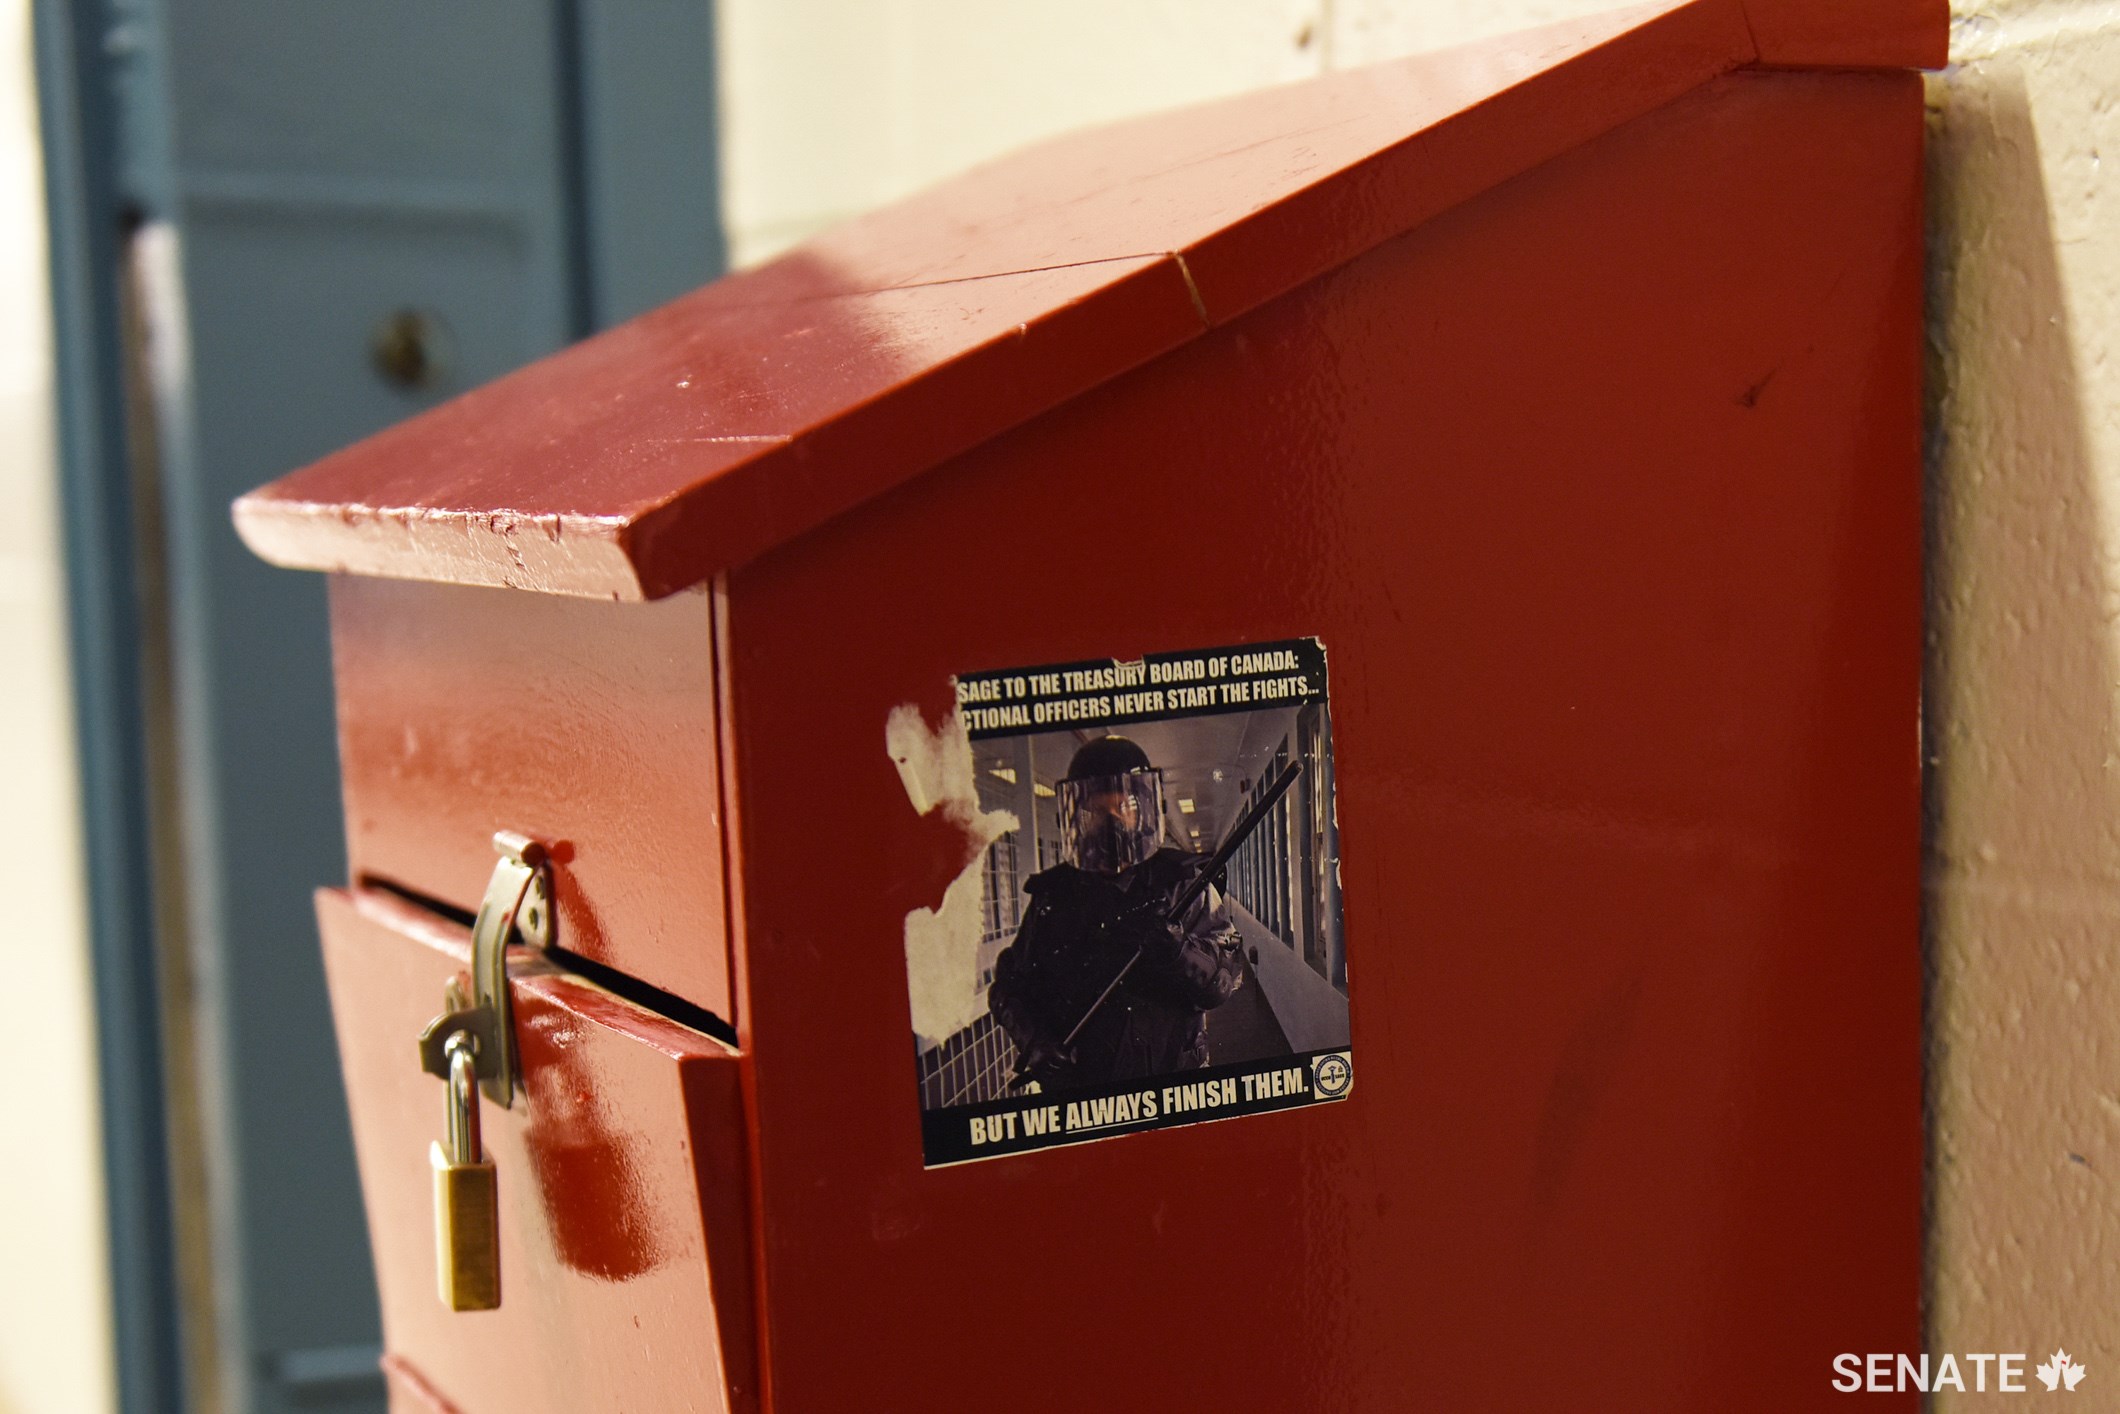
x,y
942,945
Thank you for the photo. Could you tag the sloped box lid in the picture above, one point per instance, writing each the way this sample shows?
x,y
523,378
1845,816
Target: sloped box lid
x,y
704,433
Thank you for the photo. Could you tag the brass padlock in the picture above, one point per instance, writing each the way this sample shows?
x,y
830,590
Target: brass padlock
x,y
467,1230
471,1046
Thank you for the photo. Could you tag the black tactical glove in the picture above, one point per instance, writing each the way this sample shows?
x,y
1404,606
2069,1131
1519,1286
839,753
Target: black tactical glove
x,y
1150,929
1049,1064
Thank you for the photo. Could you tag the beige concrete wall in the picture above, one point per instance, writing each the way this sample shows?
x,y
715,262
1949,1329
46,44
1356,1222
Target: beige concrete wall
x,y
2024,683
832,107
54,1318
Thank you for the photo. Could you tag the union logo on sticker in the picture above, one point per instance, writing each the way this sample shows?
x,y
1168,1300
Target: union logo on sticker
x,y
1332,1076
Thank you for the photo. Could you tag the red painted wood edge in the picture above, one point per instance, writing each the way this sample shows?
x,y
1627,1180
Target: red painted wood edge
x,y
1851,34
408,1387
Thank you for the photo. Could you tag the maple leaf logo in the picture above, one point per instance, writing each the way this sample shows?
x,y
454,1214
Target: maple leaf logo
x,y
2060,1371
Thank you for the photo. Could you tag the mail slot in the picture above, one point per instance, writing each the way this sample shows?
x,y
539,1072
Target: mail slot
x,y
1264,759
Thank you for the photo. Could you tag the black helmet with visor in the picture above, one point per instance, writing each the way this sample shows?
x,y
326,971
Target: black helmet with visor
x,y
1110,806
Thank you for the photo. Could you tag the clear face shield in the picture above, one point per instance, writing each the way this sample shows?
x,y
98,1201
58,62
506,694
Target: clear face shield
x,y
1111,823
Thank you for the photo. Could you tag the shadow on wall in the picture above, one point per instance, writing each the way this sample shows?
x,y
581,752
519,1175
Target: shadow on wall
x,y
2023,853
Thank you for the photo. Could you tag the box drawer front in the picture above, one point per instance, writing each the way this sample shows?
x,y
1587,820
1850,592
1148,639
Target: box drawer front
x,y
625,1266
585,725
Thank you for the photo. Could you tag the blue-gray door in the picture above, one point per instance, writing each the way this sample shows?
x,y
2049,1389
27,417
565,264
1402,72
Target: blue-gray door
x,y
278,227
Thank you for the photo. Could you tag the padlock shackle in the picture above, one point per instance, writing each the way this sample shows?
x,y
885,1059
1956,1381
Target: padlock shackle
x,y
466,1141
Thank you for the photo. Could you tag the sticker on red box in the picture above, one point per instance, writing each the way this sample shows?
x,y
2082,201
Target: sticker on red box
x,y
1150,934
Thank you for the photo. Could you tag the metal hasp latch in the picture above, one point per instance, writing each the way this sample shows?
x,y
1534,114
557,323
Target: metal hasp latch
x,y
477,1043
518,900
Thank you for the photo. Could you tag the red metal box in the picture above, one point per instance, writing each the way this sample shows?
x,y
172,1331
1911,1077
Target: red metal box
x,y
1557,399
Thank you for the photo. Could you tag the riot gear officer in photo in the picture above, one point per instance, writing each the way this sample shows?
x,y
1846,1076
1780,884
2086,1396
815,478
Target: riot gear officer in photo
x,y
1107,906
